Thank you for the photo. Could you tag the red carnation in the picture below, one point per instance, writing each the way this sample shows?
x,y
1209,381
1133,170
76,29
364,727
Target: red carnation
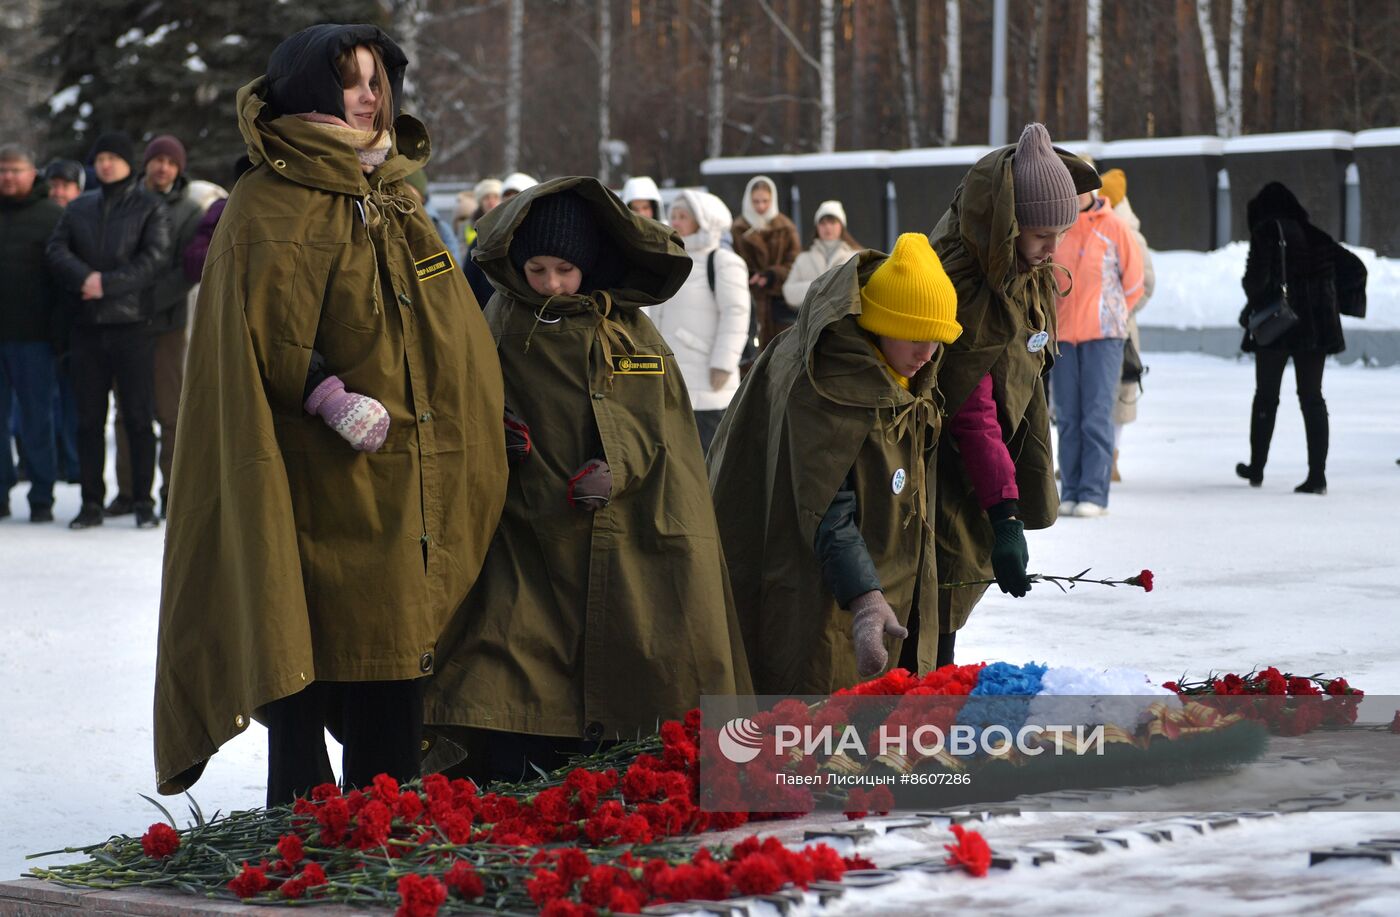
x,y
312,876
289,847
970,852
856,861
561,907
249,882
1143,579
372,825
334,818
546,886
160,841
420,896
1395,723
463,878
409,806
757,874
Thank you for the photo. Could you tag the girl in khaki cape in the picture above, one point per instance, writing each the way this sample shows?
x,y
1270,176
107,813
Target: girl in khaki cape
x,y
341,461
603,607
822,475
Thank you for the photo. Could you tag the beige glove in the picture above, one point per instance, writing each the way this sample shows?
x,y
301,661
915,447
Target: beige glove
x,y
873,620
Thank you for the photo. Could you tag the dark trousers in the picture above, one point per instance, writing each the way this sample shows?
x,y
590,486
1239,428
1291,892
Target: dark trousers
x,y
379,724
65,425
707,422
26,383
102,359
512,757
1268,380
169,370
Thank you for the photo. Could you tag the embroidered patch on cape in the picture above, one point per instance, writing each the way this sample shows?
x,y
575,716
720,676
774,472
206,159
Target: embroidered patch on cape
x,y
433,266
898,481
639,364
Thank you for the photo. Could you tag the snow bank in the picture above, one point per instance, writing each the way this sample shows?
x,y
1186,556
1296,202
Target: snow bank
x,y
1202,290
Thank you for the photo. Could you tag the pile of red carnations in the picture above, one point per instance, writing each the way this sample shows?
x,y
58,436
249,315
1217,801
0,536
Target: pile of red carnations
x,y
592,840
1290,705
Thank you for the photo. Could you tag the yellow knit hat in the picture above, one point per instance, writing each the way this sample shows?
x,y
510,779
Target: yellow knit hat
x,y
909,297
1115,186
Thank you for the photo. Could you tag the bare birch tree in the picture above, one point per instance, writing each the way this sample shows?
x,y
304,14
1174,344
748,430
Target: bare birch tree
x,y
952,71
906,74
604,89
715,125
1094,34
515,40
828,76
1226,89
1235,86
406,18
826,67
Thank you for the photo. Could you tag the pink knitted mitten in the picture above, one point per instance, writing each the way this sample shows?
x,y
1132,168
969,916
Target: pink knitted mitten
x,y
360,419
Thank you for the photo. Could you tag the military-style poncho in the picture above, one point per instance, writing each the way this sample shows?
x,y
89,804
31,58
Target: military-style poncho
x,y
595,625
999,309
290,557
817,406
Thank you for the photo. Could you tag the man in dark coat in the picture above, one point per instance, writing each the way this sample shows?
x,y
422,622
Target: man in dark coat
x,y
170,312
105,252
27,329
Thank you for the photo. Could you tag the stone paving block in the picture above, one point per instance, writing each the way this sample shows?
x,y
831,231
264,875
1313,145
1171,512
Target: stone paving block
x,y
1351,853
854,834
827,891
897,823
869,878
1115,839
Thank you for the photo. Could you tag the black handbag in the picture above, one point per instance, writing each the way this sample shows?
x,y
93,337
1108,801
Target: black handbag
x,y
1273,320
1132,364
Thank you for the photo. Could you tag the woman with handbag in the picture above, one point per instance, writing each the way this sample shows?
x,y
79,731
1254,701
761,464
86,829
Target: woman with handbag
x,y
1297,283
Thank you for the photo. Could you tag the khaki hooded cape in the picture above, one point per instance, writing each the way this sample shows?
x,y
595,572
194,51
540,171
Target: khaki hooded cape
x,y
818,405
594,625
289,556
999,309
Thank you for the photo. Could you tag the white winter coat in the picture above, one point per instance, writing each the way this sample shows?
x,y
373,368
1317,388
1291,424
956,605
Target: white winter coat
x,y
707,330
810,265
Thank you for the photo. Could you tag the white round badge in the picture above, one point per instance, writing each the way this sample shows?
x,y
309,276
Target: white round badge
x,y
897,482
1038,341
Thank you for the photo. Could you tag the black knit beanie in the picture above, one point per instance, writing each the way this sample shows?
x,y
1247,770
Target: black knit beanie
x,y
561,226
118,143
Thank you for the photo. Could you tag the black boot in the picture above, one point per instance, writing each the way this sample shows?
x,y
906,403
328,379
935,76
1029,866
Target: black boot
x,y
89,517
146,515
1315,427
1261,433
121,505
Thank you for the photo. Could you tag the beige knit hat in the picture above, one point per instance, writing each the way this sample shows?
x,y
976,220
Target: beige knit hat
x,y
1044,189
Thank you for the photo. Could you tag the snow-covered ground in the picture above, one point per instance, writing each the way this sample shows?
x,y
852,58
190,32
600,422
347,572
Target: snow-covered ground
x,y
1202,290
1244,578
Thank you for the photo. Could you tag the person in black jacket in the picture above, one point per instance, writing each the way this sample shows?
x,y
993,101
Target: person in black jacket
x,y
1323,280
27,329
105,252
164,176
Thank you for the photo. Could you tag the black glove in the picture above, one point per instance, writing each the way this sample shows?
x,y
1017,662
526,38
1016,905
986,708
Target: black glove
x,y
518,442
591,486
1010,556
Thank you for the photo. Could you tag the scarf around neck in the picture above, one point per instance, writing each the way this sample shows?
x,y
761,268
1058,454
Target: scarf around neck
x,y
371,153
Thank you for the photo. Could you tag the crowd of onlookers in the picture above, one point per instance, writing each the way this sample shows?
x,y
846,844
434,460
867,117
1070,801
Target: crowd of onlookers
x,y
97,264
96,270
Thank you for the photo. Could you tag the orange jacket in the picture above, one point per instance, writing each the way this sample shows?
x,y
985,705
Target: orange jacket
x,y
1104,260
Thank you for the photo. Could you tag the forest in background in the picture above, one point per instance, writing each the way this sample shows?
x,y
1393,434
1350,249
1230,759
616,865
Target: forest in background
x,y
617,87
